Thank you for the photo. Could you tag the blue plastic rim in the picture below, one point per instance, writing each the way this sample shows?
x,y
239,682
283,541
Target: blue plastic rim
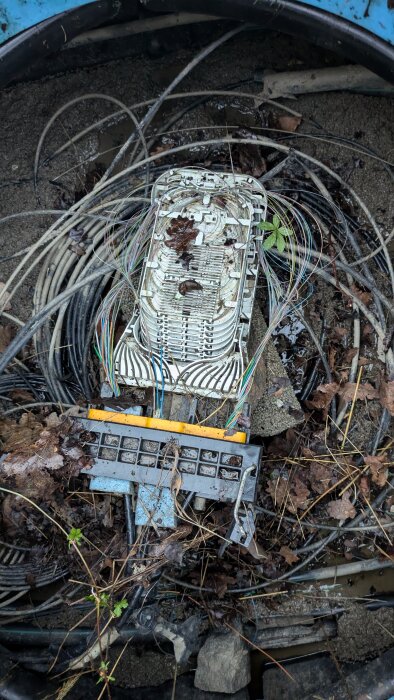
x,y
373,15
18,15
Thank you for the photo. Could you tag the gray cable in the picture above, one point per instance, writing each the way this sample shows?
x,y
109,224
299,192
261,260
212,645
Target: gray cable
x,y
32,326
152,111
354,567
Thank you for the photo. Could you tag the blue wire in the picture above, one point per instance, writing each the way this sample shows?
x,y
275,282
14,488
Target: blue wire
x,y
157,383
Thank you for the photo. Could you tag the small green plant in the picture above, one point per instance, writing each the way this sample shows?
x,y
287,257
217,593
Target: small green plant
x,y
75,537
103,673
278,234
103,601
119,607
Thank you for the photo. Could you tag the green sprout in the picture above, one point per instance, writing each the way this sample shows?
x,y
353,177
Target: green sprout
x,y
278,234
119,607
103,601
75,537
103,673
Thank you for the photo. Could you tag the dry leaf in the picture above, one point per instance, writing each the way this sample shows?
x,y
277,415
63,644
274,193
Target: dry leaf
x,y
256,550
294,495
307,452
220,583
77,248
348,356
322,396
104,512
171,551
365,297
320,477
278,489
288,122
21,395
181,234
364,391
342,508
299,492
367,330
53,420
250,159
386,396
34,451
176,482
247,156
6,334
341,332
379,472
332,355
364,486
39,487
287,554
162,148
189,286
343,375
170,547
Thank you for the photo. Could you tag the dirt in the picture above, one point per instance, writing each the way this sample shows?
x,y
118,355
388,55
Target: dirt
x,y
144,668
27,107
363,634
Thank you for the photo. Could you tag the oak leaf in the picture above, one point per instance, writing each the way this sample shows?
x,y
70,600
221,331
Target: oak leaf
x,y
320,477
288,555
341,509
322,396
364,391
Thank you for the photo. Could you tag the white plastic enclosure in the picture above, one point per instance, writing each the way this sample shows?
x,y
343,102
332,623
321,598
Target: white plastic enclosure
x,y
190,325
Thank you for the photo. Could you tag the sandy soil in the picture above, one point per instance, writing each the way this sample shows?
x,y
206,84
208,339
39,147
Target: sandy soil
x,y
27,107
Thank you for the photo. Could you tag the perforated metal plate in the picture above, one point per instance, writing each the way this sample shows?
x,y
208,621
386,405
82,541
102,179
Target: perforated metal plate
x,y
210,468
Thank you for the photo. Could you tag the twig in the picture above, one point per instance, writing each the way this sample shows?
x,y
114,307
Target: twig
x,y
263,595
25,498
352,407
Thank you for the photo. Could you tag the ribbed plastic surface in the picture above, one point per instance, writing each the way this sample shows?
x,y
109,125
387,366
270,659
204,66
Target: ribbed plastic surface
x,y
196,295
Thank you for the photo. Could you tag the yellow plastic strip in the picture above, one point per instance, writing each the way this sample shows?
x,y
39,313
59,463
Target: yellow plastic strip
x,y
171,426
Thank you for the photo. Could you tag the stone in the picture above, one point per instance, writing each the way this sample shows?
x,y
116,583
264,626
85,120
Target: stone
x,y
223,664
274,405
